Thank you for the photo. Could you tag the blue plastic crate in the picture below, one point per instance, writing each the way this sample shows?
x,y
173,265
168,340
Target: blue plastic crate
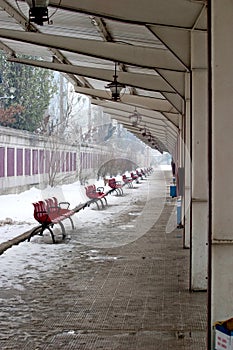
x,y
173,191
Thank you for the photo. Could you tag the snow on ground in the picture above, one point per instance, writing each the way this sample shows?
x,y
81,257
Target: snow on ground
x,y
28,260
16,215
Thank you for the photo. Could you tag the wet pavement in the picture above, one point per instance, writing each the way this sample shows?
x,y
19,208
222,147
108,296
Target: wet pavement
x,y
119,285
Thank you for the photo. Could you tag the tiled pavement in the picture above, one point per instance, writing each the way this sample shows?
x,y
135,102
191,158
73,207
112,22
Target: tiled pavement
x,y
133,296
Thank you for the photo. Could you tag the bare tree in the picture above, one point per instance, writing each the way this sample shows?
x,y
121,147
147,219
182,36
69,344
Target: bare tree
x,y
62,131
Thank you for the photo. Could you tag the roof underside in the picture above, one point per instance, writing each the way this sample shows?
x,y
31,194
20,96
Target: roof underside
x,y
149,40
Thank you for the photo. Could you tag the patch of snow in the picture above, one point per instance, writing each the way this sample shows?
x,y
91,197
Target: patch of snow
x,y
29,259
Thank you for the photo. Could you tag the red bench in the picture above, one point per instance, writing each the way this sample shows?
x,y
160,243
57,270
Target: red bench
x,y
143,172
127,181
96,195
149,170
115,186
139,174
49,212
134,177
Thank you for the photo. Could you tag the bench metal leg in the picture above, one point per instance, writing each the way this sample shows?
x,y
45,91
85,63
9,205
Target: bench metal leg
x,y
63,230
119,191
94,201
72,223
97,204
43,228
52,234
102,204
106,203
32,233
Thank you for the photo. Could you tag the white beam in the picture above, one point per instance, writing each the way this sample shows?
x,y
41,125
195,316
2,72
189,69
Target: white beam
x,y
129,54
125,118
148,102
143,81
175,79
177,40
157,117
169,13
161,131
22,20
175,100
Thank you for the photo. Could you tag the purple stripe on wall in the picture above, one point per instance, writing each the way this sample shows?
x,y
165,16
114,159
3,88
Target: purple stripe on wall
x,y
19,164
63,161
47,161
88,160
34,161
75,161
2,161
10,161
27,164
67,161
84,160
41,161
81,160
58,162
71,161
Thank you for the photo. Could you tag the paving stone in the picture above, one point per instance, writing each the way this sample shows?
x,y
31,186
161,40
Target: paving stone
x,y
133,296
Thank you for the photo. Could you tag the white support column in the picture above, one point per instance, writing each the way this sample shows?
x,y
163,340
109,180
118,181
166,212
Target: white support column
x,y
187,164
181,144
199,206
221,161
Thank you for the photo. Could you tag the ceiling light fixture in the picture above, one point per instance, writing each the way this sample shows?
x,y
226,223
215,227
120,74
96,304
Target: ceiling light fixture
x,y
115,87
38,12
135,118
144,131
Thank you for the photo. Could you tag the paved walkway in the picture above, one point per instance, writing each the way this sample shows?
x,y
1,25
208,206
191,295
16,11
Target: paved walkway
x,y
131,296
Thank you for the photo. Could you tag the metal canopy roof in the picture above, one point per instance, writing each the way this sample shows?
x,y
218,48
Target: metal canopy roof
x,y
150,41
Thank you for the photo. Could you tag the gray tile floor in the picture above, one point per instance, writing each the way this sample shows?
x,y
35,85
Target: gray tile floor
x,y
132,296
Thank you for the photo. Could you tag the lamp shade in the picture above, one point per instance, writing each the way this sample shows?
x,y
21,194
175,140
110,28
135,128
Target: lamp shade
x,y
135,118
38,12
115,87
144,132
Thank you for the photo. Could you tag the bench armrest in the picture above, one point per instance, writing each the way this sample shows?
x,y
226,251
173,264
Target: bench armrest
x,y
64,203
100,189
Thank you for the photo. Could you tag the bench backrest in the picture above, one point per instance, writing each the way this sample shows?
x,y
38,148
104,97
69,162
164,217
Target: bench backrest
x,y
39,210
126,179
134,176
91,191
112,183
42,206
51,205
55,201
